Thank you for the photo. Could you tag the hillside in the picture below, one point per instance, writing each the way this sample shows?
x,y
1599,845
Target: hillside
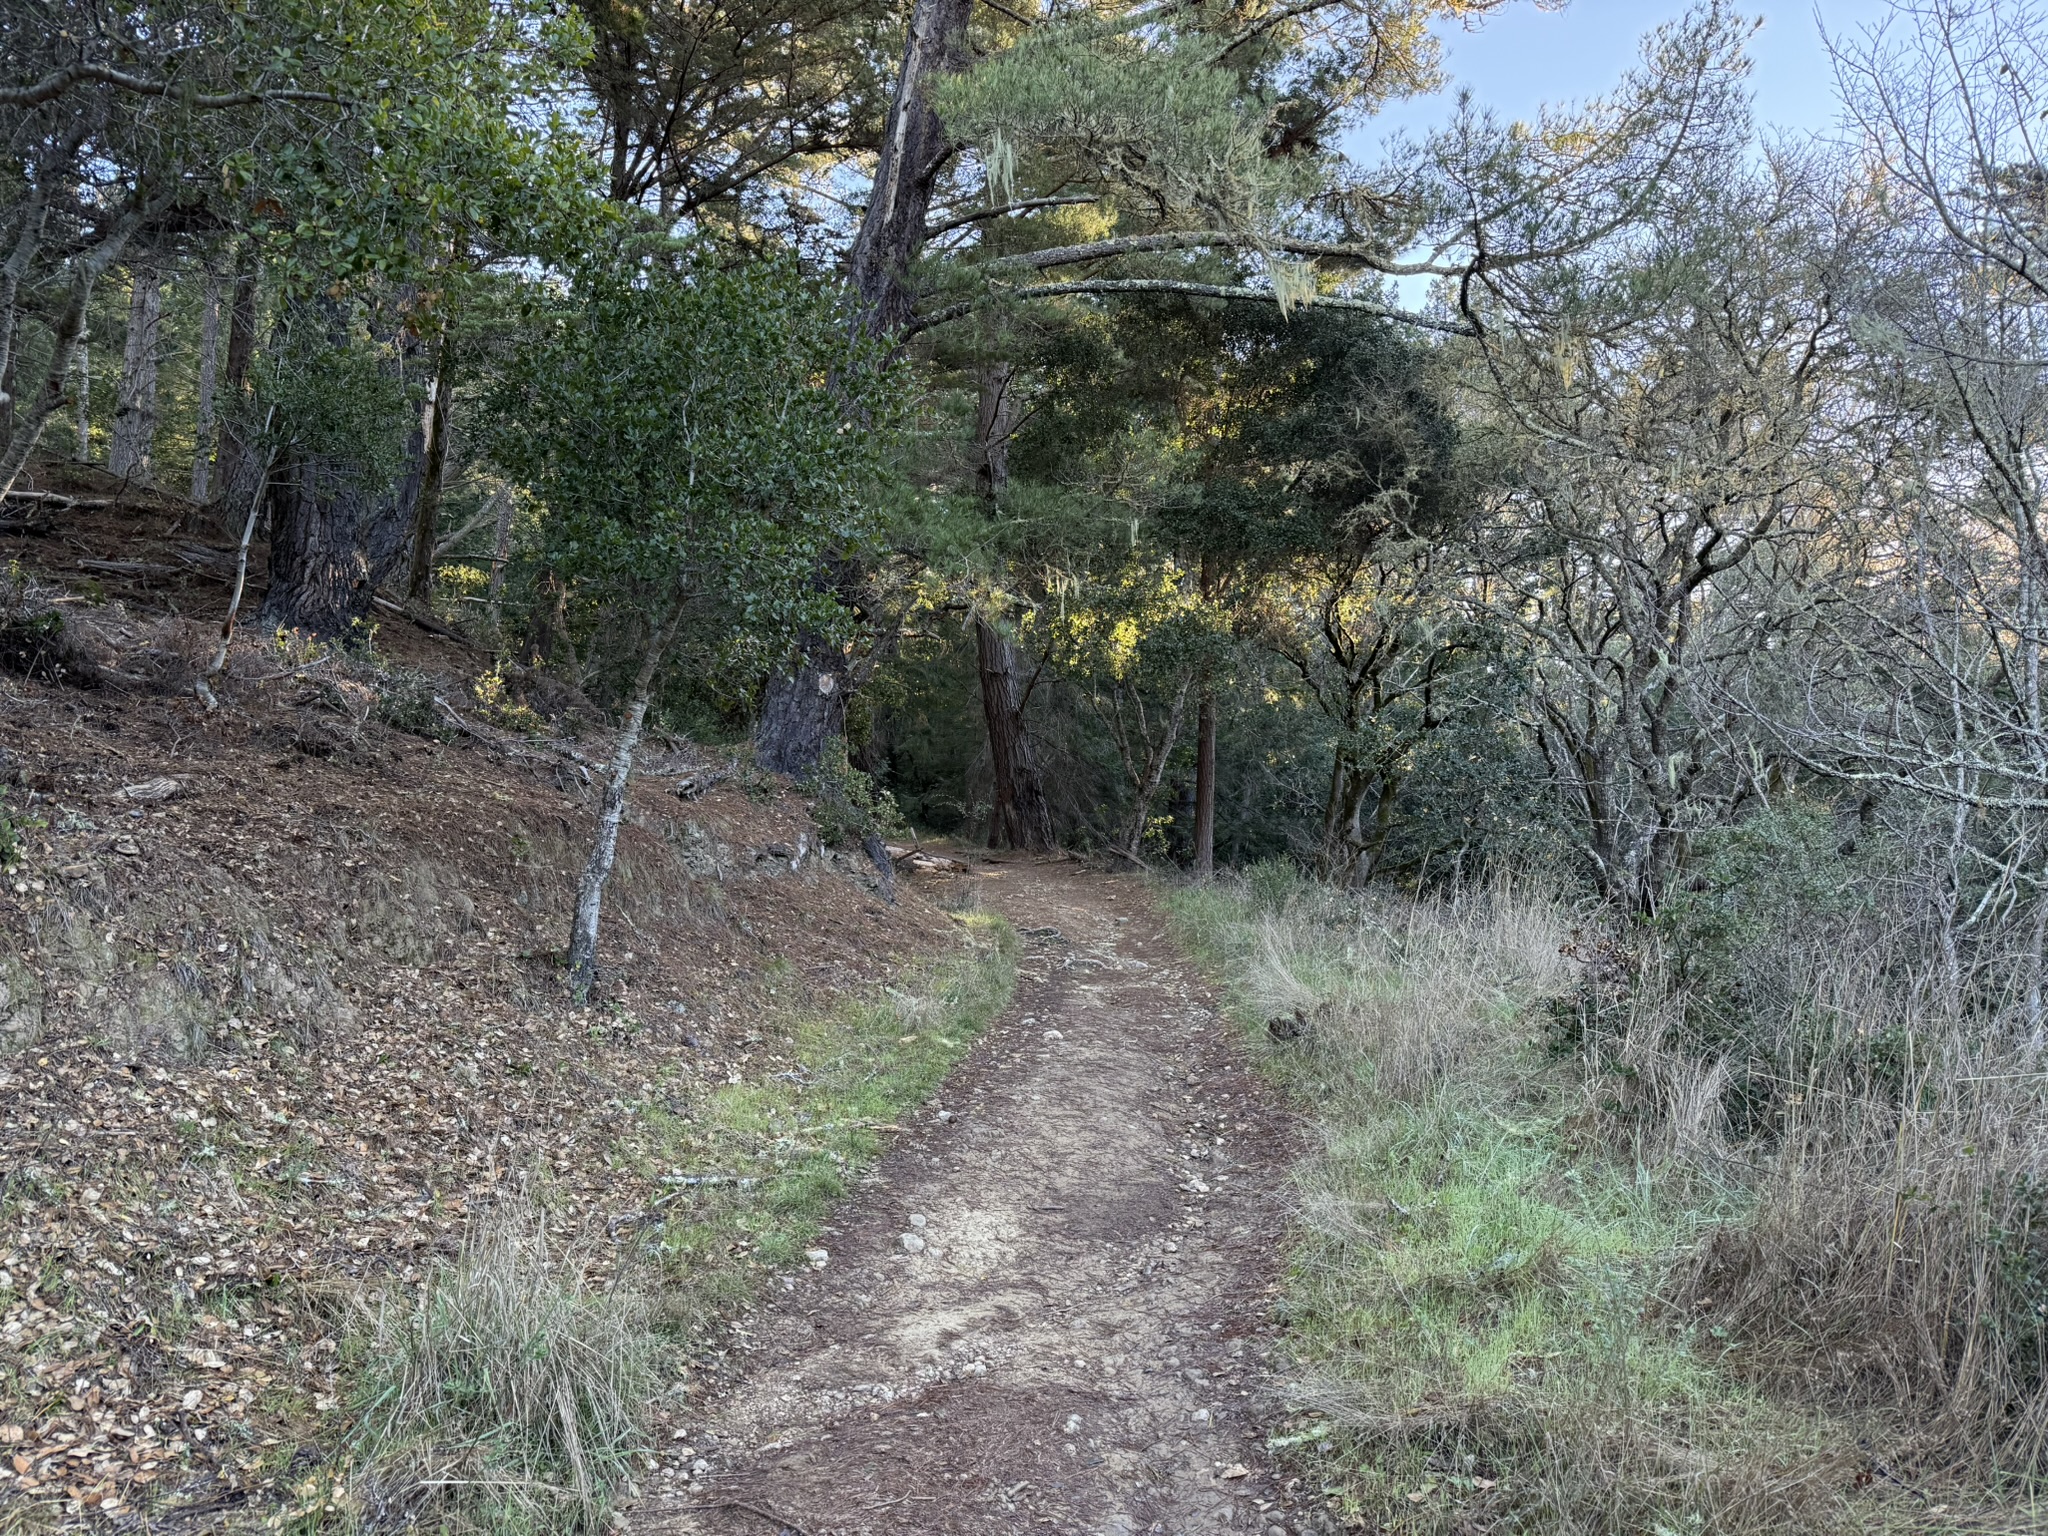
x,y
281,1003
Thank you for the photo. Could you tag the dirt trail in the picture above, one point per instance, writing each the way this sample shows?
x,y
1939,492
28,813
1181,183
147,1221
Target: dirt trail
x,y
1080,1344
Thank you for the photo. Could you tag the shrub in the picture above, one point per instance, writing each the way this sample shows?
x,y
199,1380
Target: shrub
x,y
405,702
505,1395
1897,1247
850,809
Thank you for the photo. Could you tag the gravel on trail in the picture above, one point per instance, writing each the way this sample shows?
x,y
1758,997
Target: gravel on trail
x,y
1049,1309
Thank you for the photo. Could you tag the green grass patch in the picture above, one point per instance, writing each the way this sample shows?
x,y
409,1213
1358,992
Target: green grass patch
x,y
774,1155
507,1394
1474,1302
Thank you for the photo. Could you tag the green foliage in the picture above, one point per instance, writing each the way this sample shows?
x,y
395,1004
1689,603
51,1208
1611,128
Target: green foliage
x,y
1746,900
1148,111
784,1149
335,387
847,805
1272,884
13,826
703,438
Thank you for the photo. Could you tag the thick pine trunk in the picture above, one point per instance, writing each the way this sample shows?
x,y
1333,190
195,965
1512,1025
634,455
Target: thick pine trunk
x,y
1020,817
803,705
331,542
209,380
802,708
419,581
134,439
915,149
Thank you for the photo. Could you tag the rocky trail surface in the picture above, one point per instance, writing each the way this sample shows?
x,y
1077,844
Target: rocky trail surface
x,y
1048,1310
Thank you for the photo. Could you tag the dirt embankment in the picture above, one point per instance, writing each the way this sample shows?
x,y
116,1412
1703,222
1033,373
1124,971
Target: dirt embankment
x,y
279,1002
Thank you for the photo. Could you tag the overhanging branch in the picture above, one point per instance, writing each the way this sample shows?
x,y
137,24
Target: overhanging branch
x,y
58,81
1232,291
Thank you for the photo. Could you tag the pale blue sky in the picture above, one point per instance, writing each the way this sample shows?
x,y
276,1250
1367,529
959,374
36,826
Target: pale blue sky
x,y
1524,57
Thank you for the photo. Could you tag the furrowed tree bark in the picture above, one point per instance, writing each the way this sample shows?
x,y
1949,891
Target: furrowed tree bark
x,y
419,581
332,543
134,439
1020,817
204,432
804,705
915,149
597,869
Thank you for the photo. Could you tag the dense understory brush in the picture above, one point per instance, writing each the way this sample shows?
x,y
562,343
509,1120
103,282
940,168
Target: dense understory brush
x,y
1546,1281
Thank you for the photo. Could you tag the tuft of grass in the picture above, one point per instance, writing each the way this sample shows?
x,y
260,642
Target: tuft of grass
x,y
770,1158
1478,1304
506,1394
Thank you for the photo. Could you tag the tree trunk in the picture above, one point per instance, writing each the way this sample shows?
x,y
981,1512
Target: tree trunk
x,y
419,582
332,543
501,551
1020,818
28,241
235,470
915,149
1146,776
1205,745
11,340
66,340
1205,781
802,708
597,869
128,455
209,374
81,427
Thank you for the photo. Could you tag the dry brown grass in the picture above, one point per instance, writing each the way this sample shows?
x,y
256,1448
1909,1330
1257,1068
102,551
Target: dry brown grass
x,y
1612,1288
1407,993
507,1393
1896,1256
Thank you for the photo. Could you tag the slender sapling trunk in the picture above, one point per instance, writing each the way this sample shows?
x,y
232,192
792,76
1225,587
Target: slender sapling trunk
x,y
597,869
1205,781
